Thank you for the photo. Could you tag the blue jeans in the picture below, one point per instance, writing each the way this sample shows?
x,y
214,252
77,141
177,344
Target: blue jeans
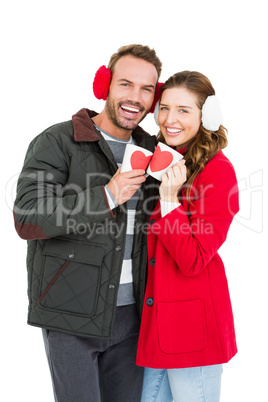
x,y
195,384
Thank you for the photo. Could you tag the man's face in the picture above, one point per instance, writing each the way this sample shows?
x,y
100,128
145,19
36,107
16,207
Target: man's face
x,y
131,92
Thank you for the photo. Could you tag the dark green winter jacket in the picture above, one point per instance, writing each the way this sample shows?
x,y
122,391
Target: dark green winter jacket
x,y
75,242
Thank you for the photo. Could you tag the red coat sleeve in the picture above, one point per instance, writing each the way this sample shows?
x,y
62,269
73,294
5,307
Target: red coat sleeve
x,y
192,234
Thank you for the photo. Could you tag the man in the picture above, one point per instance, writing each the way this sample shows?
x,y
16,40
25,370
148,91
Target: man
x,y
86,258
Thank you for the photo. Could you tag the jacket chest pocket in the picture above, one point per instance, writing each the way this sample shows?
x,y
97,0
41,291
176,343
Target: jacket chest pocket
x,y
71,277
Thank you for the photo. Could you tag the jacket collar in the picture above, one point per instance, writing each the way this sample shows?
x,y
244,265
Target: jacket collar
x,y
84,129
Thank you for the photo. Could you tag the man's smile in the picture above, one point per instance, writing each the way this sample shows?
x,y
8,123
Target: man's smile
x,y
130,111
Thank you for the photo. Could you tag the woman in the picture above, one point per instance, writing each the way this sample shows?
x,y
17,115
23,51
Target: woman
x,y
187,329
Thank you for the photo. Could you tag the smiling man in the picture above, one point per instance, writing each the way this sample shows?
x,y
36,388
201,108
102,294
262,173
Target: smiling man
x,y
86,261
130,96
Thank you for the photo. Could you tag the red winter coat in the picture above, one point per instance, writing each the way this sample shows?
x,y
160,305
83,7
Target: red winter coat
x,y
187,316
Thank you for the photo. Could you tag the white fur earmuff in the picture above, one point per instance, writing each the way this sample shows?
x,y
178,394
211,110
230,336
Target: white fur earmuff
x,y
156,111
211,114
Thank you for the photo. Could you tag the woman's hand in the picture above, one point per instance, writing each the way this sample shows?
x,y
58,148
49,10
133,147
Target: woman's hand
x,y
172,181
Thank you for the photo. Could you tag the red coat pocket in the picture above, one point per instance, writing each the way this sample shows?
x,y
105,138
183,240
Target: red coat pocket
x,y
181,326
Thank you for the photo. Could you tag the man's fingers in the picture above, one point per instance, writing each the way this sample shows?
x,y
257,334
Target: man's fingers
x,y
117,172
134,173
133,189
136,180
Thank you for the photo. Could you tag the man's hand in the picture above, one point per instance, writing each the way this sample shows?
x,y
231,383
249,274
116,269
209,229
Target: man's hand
x,y
124,185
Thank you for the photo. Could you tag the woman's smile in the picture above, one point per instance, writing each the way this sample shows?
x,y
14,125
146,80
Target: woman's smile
x,y
173,132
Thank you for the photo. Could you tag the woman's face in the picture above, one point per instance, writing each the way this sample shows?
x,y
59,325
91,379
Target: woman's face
x,y
179,116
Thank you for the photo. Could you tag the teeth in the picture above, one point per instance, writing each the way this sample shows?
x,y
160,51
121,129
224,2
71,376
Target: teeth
x,y
174,130
130,109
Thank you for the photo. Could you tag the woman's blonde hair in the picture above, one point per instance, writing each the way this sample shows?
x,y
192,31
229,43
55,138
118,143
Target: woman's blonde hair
x,y
206,143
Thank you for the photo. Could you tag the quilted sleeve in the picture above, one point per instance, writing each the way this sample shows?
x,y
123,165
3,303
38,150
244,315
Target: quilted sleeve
x,y
44,202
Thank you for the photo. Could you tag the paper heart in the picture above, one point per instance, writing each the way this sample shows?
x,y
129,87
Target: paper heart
x,y
161,160
139,161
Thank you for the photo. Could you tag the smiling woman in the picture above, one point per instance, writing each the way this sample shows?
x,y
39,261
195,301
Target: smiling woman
x,y
192,89
187,329
178,124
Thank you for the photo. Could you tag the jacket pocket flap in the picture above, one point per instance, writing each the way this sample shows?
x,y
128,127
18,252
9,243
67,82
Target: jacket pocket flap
x,y
86,253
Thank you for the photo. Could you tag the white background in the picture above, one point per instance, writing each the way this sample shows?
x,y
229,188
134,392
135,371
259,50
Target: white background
x,y
50,51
